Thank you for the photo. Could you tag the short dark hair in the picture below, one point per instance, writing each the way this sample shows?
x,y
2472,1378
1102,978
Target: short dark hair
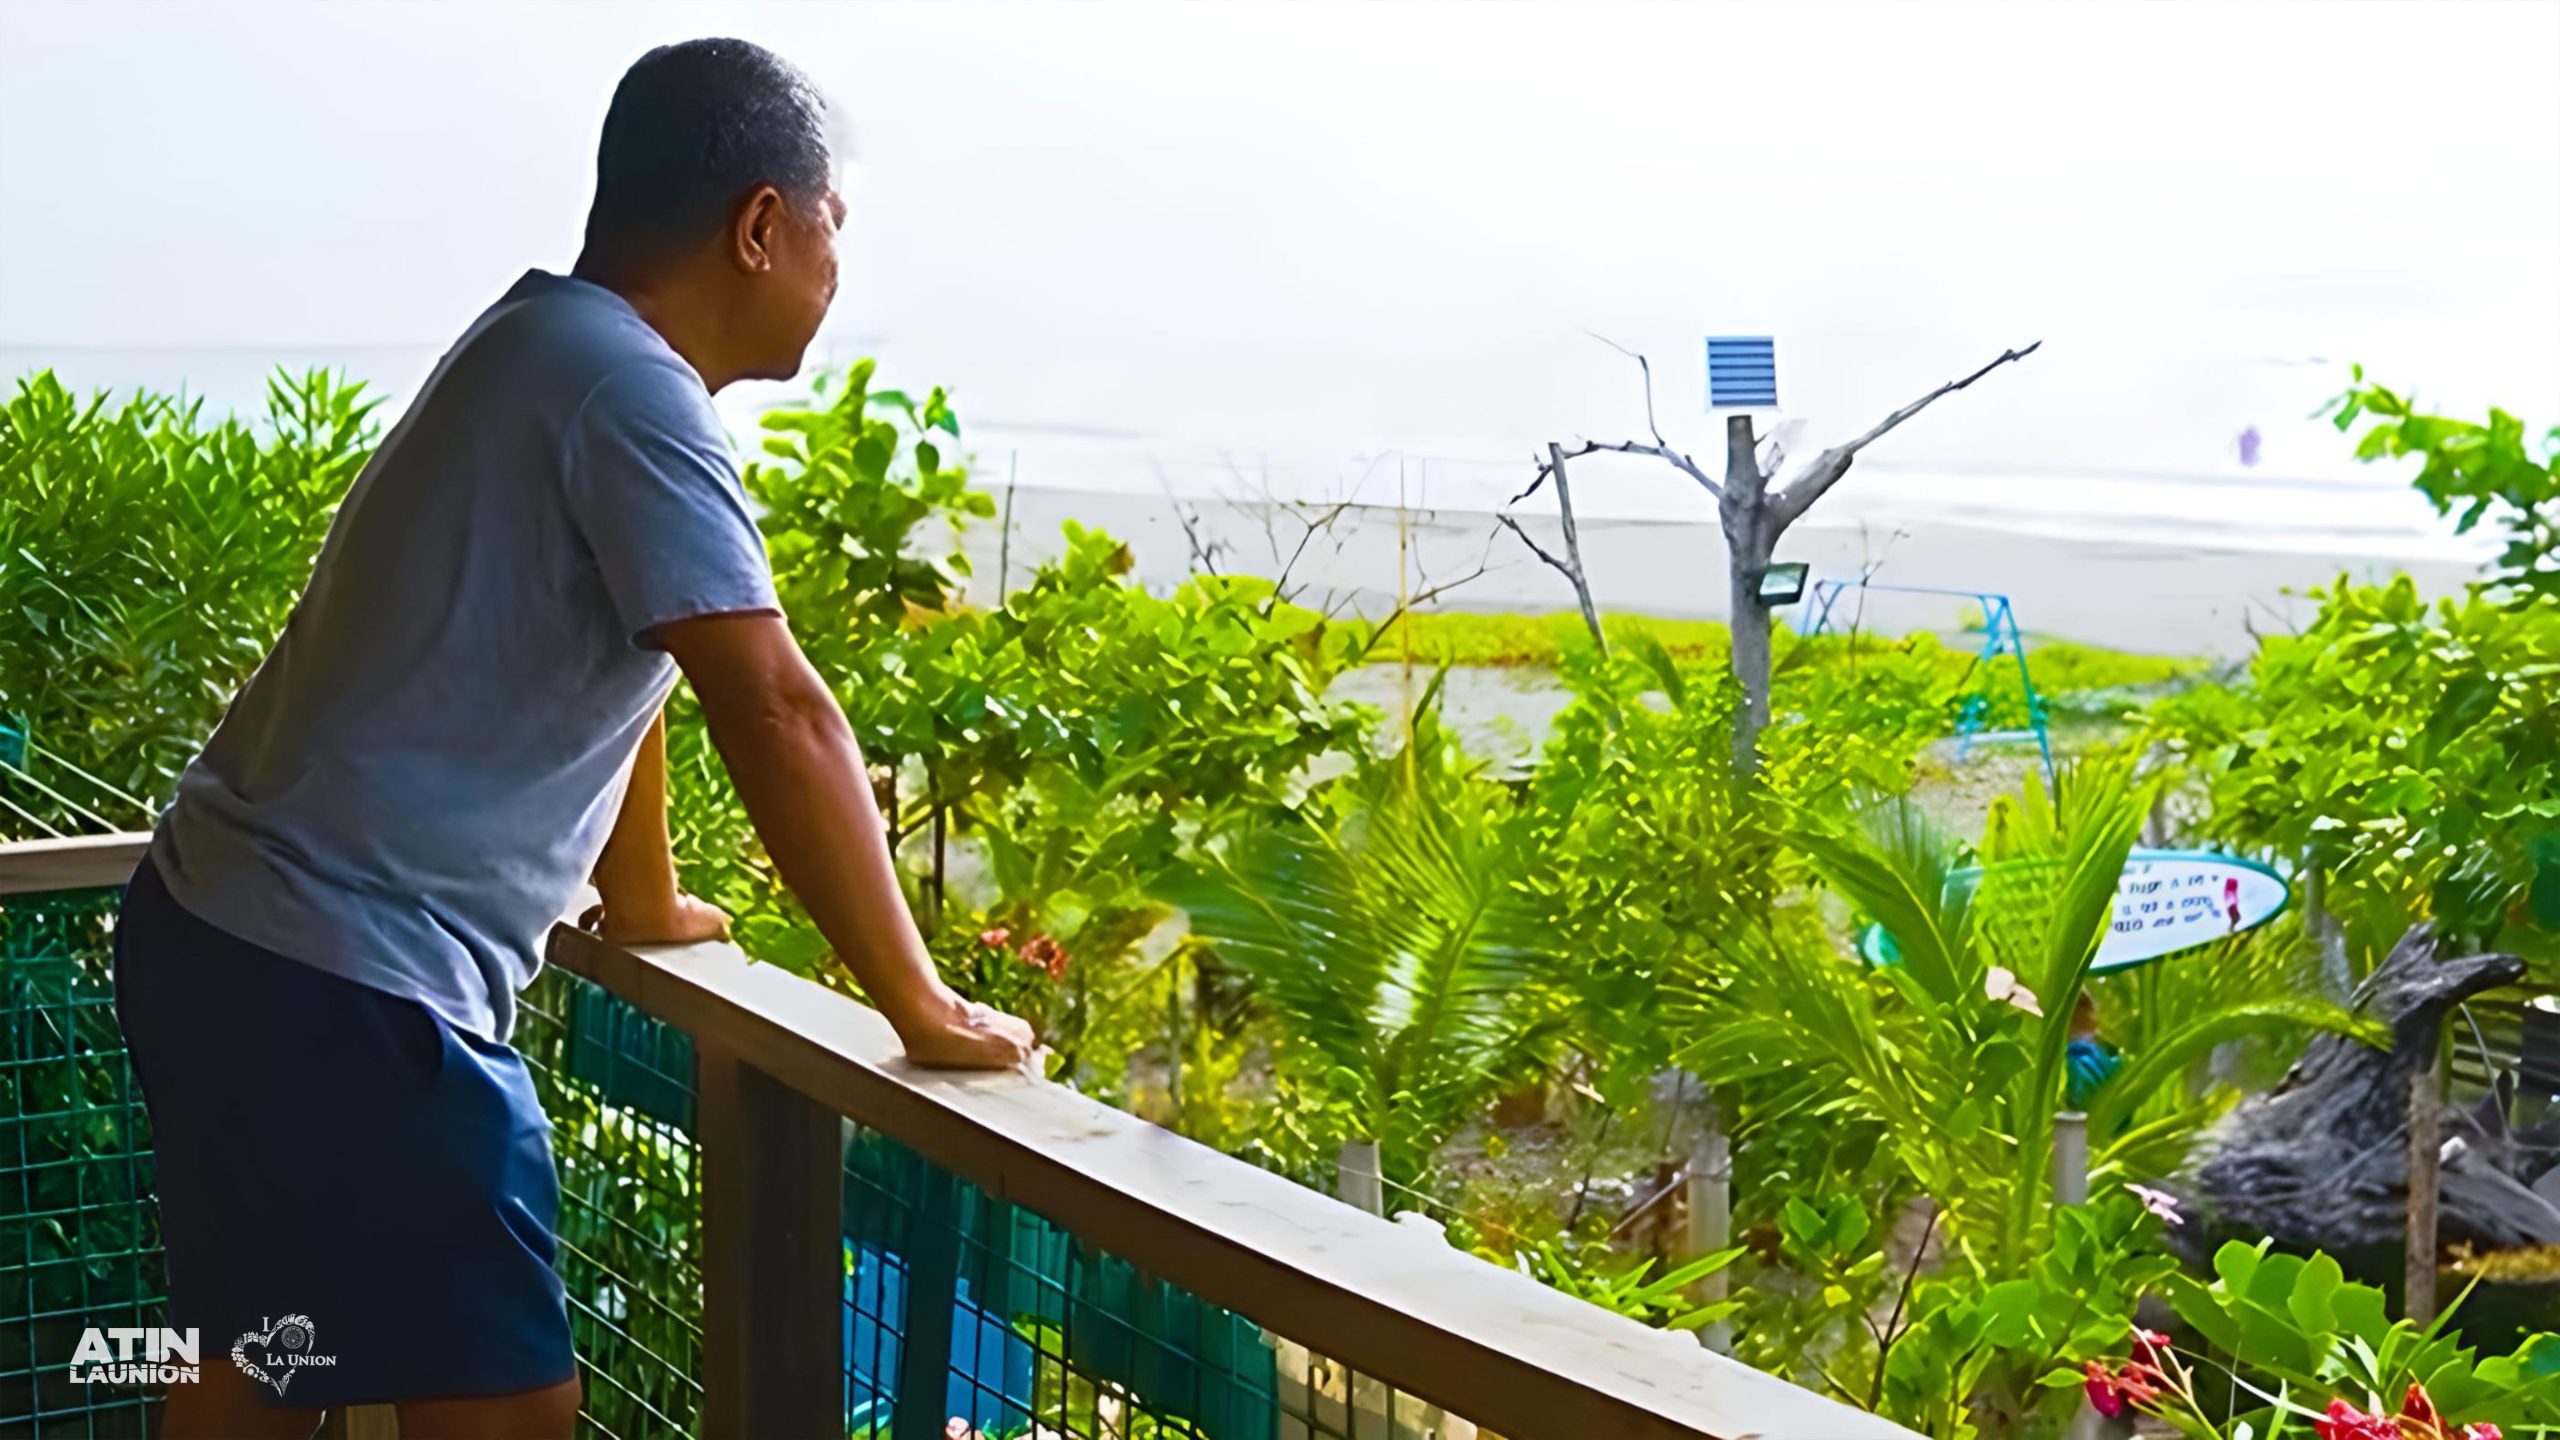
x,y
692,128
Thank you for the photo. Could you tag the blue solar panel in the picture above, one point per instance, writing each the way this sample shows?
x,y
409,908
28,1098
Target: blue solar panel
x,y
1742,372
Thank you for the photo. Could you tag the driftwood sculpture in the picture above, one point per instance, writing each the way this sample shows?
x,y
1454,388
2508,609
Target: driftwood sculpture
x,y
2322,1159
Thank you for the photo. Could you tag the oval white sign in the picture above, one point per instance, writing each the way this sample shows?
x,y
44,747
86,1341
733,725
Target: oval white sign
x,y
2166,901
2173,900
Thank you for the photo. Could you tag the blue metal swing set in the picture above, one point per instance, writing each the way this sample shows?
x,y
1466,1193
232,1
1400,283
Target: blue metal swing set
x,y
2000,640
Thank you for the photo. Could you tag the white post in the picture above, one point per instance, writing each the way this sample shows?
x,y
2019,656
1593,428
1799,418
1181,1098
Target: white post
x,y
1710,1195
2071,1187
2071,1158
1358,1182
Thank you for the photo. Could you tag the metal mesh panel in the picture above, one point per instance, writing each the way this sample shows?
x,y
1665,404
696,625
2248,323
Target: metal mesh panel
x,y
79,1236
967,1318
619,1088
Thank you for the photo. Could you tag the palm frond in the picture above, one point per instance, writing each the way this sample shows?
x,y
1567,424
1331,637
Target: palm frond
x,y
1894,869
1282,904
1392,929
2170,1056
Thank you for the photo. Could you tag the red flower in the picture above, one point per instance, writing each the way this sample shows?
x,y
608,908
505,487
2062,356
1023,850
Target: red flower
x,y
2141,1384
2150,1350
1043,952
2112,1391
2346,1422
2421,1420
995,937
2104,1397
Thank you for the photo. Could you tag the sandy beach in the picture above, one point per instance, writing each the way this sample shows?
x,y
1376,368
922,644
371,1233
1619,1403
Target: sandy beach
x,y
2134,593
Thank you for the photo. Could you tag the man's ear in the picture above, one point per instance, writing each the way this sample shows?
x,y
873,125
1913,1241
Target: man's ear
x,y
753,234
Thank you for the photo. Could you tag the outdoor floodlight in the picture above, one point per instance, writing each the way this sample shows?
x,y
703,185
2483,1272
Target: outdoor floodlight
x,y
1783,583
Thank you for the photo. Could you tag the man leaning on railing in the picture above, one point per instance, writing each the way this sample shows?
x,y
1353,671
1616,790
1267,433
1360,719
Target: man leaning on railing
x,y
316,967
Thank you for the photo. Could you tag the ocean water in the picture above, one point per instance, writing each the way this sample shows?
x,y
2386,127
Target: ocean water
x,y
2187,562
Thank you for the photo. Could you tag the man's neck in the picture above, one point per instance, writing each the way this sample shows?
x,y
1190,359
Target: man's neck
x,y
673,308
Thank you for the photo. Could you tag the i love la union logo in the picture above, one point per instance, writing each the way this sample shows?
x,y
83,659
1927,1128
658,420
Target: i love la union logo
x,y
283,1349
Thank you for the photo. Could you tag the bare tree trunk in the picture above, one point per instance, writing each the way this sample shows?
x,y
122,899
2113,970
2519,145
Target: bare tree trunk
x,y
1573,549
1750,534
1754,517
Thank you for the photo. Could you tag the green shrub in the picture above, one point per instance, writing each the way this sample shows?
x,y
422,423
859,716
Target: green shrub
x,y
147,560
2408,752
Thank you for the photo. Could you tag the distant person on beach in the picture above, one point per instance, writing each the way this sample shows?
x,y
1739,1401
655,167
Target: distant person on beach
x,y
317,965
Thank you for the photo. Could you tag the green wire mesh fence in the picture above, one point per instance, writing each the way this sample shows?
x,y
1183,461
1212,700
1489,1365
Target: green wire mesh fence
x,y
966,1318
619,1090
974,1319
78,1230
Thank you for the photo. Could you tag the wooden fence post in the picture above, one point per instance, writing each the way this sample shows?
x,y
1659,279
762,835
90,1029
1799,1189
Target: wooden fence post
x,y
773,1311
2426,1114
2071,1158
1358,1179
1710,1186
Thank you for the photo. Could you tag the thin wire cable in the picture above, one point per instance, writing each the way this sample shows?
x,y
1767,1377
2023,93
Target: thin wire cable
x,y
30,817
75,806
136,801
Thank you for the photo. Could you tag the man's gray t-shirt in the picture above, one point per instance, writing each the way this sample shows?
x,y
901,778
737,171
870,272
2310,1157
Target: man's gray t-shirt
x,y
419,778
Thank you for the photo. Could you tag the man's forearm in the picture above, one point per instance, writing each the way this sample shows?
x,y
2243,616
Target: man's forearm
x,y
794,762
797,766
636,874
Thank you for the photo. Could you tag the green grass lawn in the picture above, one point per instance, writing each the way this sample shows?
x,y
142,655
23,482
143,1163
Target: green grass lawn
x,y
2060,667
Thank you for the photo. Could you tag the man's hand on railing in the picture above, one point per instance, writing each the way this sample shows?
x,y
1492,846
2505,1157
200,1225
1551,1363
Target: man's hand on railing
x,y
685,921
965,1035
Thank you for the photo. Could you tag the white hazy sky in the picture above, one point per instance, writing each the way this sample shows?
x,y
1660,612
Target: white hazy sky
x,y
1339,230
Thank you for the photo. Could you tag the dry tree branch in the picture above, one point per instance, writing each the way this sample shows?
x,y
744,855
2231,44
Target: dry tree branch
x,y
1204,555
1665,453
1309,528
1660,449
1788,505
1259,498
1647,367
1379,631
1554,562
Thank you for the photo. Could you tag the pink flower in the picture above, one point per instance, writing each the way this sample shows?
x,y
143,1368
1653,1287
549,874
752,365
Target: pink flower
x,y
2158,1202
995,937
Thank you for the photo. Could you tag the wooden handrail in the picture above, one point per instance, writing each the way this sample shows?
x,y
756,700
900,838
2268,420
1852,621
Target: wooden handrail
x,y
1468,1336
83,862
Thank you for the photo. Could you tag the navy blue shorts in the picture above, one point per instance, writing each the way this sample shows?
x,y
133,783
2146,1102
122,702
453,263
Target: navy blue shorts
x,y
357,1199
